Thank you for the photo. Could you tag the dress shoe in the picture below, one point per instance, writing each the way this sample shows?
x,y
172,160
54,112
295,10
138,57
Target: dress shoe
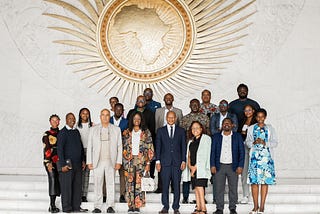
x,y
218,212
84,199
158,191
185,201
163,211
131,210
233,211
53,209
122,199
67,211
110,210
136,210
193,202
82,210
176,211
96,210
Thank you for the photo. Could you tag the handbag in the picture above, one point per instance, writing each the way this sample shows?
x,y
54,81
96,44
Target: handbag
x,y
147,183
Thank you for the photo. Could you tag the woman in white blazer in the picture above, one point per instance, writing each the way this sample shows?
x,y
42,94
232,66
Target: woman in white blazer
x,y
198,161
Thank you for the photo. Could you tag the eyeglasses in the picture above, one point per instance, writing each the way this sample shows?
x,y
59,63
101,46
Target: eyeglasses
x,y
140,101
196,128
249,110
147,93
223,104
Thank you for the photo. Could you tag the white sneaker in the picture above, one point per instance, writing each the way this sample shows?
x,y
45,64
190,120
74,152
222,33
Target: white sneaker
x,y
244,200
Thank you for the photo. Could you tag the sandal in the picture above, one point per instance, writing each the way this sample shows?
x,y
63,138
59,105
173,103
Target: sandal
x,y
196,211
203,211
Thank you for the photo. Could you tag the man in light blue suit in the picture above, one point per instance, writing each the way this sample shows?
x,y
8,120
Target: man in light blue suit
x,y
170,160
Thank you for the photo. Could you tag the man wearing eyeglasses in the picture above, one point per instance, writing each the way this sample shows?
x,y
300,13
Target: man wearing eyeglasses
x,y
217,118
150,103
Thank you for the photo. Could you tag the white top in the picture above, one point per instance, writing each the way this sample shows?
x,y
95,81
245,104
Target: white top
x,y
221,119
169,129
105,141
84,132
244,127
226,149
135,142
116,122
165,115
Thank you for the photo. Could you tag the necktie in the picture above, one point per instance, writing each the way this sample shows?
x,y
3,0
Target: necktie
x,y
171,132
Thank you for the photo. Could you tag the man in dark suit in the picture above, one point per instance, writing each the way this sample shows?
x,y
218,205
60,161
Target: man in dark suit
x,y
71,163
122,123
170,160
227,161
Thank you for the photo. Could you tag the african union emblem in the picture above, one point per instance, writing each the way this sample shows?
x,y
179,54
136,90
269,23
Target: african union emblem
x,y
168,45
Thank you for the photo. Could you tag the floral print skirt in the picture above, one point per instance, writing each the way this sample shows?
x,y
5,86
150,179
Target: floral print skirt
x,y
261,166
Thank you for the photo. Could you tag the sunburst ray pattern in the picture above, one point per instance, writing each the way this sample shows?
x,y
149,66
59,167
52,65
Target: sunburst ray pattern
x,y
218,25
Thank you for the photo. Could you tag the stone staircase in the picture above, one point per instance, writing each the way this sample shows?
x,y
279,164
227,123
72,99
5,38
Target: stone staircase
x,y
28,194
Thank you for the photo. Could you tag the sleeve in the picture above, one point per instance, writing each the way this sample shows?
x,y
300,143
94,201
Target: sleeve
x,y
158,145
179,117
89,148
119,145
213,151
241,150
46,149
183,145
249,140
273,139
60,147
149,146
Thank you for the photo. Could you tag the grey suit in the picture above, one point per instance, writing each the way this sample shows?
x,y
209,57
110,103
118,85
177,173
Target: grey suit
x,y
104,168
159,116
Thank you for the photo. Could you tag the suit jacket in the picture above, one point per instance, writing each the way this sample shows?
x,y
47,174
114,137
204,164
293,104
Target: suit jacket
x,y
123,123
171,152
215,120
94,145
237,150
159,116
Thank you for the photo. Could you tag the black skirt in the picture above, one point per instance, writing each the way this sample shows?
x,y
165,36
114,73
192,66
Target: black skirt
x,y
198,182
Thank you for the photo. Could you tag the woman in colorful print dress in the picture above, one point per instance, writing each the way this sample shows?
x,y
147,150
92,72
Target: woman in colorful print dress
x,y
50,159
261,139
138,151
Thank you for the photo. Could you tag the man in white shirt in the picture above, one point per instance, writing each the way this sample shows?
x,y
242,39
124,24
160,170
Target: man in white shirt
x,y
227,161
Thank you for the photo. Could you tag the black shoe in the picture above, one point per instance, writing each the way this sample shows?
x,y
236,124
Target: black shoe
x,y
67,211
185,201
84,199
131,210
214,201
163,211
122,199
53,209
233,211
136,210
96,210
158,191
176,211
205,201
104,199
218,212
110,210
193,202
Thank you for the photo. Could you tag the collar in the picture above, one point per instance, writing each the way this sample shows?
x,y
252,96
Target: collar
x,y
69,128
226,135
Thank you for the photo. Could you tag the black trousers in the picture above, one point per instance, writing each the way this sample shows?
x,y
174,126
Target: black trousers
x,y
70,184
53,180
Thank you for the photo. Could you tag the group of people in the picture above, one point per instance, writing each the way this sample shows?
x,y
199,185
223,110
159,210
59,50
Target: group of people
x,y
211,143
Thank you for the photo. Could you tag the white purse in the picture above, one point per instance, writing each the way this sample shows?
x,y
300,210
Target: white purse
x,y
147,183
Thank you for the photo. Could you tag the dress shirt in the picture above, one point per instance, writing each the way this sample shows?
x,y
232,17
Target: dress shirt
x,y
221,119
116,122
226,149
135,142
105,141
69,128
169,129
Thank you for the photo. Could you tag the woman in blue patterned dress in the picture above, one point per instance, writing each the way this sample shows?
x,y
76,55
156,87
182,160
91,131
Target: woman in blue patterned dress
x,y
261,139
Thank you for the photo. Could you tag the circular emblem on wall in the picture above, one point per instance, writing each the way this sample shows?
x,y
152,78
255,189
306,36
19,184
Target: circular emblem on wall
x,y
174,46
146,41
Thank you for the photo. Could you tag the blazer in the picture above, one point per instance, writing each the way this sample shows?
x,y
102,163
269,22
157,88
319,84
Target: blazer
x,y
215,122
272,138
159,116
237,147
94,145
171,152
123,123
203,159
